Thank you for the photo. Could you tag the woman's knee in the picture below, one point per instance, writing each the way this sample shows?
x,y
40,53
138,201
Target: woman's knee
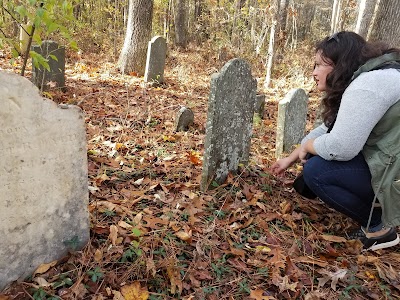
x,y
312,168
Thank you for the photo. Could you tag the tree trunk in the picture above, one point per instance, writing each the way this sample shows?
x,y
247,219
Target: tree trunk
x,y
387,23
365,14
283,7
137,36
180,23
335,15
167,20
271,46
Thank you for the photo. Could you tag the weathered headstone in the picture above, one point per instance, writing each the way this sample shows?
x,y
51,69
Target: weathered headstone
x,y
55,77
229,121
43,179
260,105
292,116
155,63
184,119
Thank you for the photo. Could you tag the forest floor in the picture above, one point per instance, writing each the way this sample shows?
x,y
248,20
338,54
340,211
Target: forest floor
x,y
155,235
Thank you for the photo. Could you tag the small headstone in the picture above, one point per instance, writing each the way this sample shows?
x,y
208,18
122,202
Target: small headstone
x,y
155,63
260,105
55,77
43,175
184,119
229,121
292,116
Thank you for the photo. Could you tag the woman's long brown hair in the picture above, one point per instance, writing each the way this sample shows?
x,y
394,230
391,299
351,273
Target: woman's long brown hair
x,y
346,51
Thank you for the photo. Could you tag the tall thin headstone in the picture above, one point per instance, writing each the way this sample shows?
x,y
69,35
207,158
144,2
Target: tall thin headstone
x,y
292,116
155,63
229,121
55,77
43,175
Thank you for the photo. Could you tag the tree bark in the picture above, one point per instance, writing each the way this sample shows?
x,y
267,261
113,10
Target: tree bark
x,y
387,23
137,36
271,46
180,23
365,14
335,15
283,7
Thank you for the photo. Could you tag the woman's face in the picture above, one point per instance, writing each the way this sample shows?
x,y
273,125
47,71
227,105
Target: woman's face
x,y
321,70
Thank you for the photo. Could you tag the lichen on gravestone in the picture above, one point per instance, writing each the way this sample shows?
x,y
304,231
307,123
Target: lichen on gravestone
x,y
291,124
229,121
155,61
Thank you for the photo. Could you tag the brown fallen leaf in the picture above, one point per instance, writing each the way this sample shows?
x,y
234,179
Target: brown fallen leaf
x,y
366,259
333,238
43,268
135,291
258,295
333,276
98,255
310,260
175,279
184,236
113,234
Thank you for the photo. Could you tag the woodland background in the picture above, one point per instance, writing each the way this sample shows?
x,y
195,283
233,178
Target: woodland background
x,y
154,235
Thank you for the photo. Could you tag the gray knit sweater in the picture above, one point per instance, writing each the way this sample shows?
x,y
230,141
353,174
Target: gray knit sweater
x,y
363,104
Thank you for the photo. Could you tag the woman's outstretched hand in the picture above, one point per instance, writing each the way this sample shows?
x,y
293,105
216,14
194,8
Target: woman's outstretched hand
x,y
281,165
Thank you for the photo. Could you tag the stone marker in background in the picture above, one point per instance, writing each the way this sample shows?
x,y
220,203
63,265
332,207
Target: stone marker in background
x,y
184,119
260,105
155,63
55,77
292,116
43,179
229,121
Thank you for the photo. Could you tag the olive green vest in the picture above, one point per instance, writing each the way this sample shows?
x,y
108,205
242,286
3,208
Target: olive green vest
x,y
382,151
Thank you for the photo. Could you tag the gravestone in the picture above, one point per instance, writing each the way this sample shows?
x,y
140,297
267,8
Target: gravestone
x,y
155,62
43,179
55,77
229,121
184,119
260,106
292,116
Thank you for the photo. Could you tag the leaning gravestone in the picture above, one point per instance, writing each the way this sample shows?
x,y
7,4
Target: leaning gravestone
x,y
155,63
43,175
229,121
184,119
292,116
55,77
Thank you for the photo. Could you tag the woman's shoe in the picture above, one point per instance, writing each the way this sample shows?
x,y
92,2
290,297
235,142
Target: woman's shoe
x,y
387,240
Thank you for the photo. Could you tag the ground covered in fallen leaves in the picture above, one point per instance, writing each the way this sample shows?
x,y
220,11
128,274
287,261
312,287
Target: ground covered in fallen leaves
x,y
155,235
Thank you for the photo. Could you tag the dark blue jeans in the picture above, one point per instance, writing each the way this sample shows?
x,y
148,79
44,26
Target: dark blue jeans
x,y
344,186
